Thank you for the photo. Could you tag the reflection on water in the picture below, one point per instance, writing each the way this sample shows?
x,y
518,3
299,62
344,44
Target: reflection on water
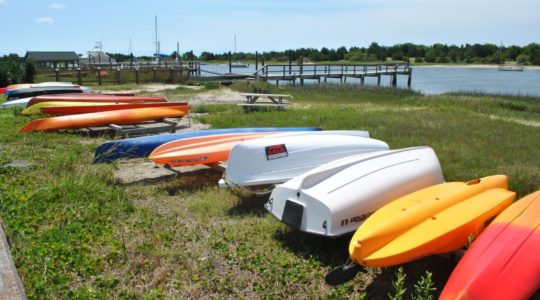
x,y
437,80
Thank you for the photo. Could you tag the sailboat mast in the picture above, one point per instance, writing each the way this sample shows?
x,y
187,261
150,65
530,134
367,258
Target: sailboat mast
x,y
157,43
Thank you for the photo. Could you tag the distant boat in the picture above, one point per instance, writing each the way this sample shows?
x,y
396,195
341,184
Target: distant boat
x,y
510,68
237,64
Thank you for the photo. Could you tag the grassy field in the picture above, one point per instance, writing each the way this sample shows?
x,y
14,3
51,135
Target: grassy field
x,y
77,231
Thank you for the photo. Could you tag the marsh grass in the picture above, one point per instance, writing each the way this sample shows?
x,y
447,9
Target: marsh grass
x,y
77,232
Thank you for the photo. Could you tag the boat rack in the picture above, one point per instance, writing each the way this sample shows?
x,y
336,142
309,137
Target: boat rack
x,y
169,125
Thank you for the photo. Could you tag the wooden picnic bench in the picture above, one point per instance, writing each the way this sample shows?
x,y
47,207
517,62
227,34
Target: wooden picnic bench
x,y
278,101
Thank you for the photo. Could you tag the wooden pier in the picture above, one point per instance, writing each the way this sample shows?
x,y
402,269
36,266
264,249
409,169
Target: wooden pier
x,y
322,72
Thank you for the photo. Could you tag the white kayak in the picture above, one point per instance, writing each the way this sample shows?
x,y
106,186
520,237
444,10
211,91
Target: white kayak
x,y
16,103
334,199
43,84
278,158
23,102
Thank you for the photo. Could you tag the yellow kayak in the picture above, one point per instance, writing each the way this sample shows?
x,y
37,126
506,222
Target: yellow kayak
x,y
36,108
438,219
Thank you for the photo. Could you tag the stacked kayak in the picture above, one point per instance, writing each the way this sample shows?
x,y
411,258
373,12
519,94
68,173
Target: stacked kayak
x,y
504,261
30,85
73,108
100,98
124,116
437,219
143,146
95,98
37,91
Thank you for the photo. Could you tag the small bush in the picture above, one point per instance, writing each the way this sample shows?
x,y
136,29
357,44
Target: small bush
x,y
212,85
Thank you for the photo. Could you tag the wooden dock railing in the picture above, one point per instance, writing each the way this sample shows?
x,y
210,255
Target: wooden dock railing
x,y
302,71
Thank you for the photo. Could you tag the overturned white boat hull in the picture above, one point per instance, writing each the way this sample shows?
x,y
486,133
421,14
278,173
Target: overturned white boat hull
x,y
334,199
278,158
16,103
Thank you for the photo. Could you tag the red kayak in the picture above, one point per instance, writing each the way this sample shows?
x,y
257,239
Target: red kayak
x,y
123,116
99,107
94,98
504,261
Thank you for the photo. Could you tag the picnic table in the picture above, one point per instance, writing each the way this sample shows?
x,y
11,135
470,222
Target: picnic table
x,y
278,101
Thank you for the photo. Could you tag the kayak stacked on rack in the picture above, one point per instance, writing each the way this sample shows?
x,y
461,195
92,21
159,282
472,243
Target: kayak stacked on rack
x,y
76,107
122,116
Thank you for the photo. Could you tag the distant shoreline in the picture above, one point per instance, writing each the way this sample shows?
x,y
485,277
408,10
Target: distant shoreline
x,y
472,66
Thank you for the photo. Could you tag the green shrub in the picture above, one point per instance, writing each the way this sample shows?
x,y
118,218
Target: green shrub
x,y
29,72
212,85
399,285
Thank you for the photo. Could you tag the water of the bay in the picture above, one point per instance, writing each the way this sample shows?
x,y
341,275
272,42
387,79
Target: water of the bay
x,y
438,80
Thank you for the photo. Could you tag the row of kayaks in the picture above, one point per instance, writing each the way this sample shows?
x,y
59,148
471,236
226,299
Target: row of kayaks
x,y
396,202
74,110
332,183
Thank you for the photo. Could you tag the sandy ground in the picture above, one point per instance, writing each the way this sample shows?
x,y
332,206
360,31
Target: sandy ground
x,y
222,95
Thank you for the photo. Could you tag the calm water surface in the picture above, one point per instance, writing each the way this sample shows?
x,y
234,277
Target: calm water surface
x,y
438,80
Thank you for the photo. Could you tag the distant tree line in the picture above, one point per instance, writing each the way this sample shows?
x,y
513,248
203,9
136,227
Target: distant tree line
x,y
408,52
437,53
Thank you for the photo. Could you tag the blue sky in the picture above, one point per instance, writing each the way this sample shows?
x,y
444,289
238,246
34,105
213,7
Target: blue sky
x,y
261,25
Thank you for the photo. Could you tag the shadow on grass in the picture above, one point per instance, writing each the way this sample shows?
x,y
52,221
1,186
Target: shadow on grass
x,y
191,181
248,204
147,181
329,252
441,268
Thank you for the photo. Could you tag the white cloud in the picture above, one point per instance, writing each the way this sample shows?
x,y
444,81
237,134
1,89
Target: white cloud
x,y
44,20
56,6
3,2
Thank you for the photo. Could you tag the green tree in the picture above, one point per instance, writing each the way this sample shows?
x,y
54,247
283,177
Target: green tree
x,y
398,55
29,71
189,56
356,55
533,51
523,59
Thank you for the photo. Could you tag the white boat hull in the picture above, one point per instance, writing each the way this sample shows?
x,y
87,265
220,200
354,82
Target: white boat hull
x,y
334,199
278,158
16,103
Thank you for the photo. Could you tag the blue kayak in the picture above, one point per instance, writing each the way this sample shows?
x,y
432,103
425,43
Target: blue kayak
x,y
143,146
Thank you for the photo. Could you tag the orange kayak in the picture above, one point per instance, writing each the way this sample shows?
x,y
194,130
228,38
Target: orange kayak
x,y
436,219
201,150
93,98
123,116
99,107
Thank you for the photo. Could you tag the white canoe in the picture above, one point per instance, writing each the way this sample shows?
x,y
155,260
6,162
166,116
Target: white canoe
x,y
16,103
278,158
24,101
334,199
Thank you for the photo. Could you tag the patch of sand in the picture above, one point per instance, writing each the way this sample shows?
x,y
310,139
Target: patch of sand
x,y
223,95
519,121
